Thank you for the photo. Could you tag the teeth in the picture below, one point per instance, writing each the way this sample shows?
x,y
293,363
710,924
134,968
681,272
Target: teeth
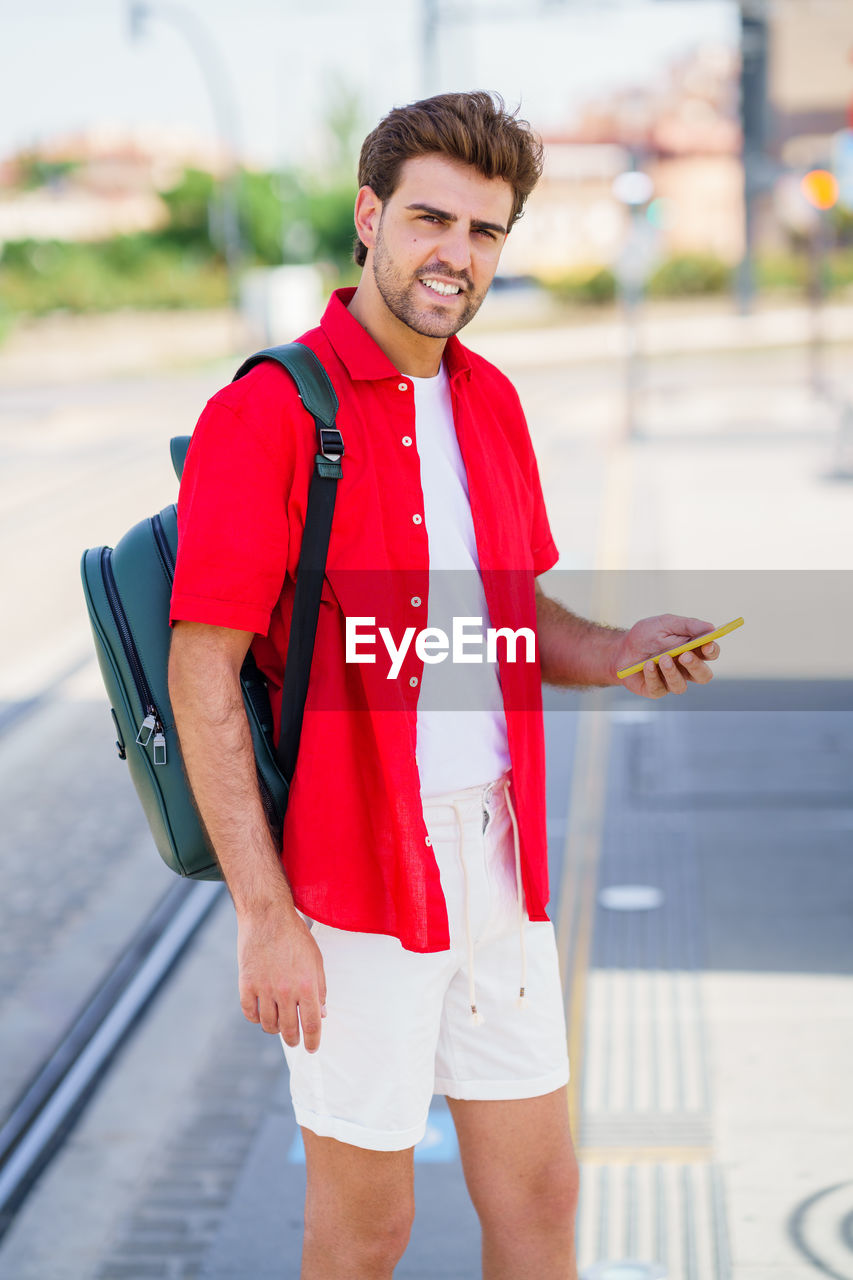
x,y
444,289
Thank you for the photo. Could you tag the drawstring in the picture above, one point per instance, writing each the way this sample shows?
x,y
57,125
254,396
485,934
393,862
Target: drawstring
x,y
521,1002
476,1017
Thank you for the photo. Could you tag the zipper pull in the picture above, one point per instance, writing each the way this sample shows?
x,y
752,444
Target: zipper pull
x,y
146,729
160,747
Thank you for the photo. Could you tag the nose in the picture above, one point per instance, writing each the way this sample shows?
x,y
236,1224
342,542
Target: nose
x,y
454,249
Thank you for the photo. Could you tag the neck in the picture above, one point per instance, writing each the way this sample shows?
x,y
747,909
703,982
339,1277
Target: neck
x,y
410,352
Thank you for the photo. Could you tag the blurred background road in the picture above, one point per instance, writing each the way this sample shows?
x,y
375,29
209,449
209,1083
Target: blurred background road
x,y
675,310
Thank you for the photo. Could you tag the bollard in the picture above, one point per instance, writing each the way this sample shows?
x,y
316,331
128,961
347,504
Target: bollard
x,y
842,468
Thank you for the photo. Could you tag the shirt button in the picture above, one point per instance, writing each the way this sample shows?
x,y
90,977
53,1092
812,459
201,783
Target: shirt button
x,y
416,519
416,601
413,680
428,842
407,440
402,386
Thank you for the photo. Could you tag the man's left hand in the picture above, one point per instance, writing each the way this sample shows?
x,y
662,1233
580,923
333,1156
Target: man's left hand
x,y
671,675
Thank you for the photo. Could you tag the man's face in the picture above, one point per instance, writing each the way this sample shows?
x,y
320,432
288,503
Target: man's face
x,y
438,243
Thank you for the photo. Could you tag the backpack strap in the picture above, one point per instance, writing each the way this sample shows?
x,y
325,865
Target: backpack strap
x,y
312,381
318,396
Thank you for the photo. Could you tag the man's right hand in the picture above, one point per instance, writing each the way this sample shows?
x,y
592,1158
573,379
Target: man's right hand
x,y
282,982
281,969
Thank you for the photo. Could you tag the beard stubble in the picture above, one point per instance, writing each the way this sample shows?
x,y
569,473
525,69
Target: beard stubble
x,y
400,295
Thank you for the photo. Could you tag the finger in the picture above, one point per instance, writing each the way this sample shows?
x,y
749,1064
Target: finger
x,y
288,1020
675,681
695,669
269,1014
710,651
655,687
310,1018
249,1005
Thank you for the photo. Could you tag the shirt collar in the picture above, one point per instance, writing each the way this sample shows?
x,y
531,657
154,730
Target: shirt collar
x,y
363,358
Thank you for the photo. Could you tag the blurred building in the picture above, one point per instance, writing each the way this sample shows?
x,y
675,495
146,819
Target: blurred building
x,y
801,98
810,77
684,132
96,184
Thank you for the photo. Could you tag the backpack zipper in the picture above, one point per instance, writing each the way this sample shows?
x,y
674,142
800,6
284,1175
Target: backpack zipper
x,y
151,729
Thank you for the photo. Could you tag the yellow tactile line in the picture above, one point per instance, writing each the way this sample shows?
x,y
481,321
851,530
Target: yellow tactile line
x,y
580,867
644,1155
582,851
585,823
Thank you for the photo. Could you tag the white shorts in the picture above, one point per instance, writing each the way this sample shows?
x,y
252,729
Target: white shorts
x,y
399,1024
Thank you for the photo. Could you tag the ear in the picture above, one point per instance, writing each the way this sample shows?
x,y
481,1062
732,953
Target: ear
x,y
368,210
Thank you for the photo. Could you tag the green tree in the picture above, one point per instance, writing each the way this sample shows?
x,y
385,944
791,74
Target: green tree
x,y
689,274
261,216
188,203
34,172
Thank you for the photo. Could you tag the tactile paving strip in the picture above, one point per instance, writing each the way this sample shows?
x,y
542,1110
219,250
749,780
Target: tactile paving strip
x,y
669,1213
650,1191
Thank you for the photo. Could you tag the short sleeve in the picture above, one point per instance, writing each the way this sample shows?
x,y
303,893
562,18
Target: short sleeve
x,y
542,545
232,523
543,549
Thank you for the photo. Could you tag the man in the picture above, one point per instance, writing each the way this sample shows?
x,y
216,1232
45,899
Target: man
x,y
415,834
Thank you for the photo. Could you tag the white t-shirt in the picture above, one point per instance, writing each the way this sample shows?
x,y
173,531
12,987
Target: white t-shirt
x,y
462,737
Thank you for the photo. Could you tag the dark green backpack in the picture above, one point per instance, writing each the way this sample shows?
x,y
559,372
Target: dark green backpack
x,y
128,590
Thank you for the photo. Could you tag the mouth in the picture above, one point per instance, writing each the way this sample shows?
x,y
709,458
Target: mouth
x,y
441,288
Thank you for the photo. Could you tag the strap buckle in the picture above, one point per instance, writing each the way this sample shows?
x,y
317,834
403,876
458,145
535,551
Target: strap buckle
x,y
331,443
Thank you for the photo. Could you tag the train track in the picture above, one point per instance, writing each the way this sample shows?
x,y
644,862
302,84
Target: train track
x,y
56,1093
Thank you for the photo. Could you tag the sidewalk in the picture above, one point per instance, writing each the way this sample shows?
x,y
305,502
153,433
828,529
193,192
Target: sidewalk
x,y
71,348
667,329
61,349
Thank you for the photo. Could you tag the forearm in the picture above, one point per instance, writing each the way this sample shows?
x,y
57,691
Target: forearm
x,y
572,651
218,753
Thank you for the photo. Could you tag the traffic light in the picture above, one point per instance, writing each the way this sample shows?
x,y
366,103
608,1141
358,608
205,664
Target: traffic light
x,y
820,187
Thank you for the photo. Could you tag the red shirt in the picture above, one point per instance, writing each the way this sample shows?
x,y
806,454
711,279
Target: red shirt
x,y
355,848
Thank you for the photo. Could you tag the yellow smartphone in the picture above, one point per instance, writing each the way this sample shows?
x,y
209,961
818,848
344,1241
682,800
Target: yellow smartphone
x,y
682,648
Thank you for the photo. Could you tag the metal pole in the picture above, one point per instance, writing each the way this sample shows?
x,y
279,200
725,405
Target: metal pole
x,y
753,112
631,303
224,109
430,18
817,285
634,189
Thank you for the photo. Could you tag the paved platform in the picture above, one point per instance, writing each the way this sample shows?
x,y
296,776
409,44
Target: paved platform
x,y
714,1054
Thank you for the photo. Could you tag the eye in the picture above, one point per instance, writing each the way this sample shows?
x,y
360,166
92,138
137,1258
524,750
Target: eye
x,y
429,217
483,231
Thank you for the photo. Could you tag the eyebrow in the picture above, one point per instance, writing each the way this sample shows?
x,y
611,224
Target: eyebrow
x,y
452,217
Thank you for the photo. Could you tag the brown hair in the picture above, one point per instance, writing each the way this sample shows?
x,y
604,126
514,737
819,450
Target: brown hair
x,y
473,128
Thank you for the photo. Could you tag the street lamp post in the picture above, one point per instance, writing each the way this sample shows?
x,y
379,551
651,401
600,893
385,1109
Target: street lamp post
x,y
224,110
634,189
430,17
753,113
820,188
